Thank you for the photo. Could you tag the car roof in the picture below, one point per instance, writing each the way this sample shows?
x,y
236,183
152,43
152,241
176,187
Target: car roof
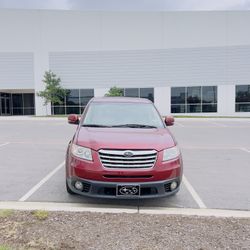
x,y
120,99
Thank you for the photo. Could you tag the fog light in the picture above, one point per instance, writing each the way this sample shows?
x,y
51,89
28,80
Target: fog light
x,y
78,185
173,185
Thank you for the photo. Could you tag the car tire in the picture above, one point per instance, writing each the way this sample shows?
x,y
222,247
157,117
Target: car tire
x,y
68,189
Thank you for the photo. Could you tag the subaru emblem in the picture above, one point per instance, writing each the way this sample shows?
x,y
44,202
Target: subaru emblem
x,y
128,154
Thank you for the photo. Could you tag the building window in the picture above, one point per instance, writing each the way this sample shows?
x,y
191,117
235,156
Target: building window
x,y
139,92
242,98
85,96
28,104
147,93
194,99
73,103
131,92
23,104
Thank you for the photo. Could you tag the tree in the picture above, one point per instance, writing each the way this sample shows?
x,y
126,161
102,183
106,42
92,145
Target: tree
x,y
53,92
114,91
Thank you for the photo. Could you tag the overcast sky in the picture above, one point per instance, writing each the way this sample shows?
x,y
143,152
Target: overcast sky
x,y
129,5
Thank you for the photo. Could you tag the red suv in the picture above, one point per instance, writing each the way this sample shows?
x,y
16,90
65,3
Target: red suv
x,y
122,149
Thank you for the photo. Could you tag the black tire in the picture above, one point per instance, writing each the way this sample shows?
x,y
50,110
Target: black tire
x,y
68,189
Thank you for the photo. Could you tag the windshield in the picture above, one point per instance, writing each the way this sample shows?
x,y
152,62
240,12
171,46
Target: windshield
x,y
123,115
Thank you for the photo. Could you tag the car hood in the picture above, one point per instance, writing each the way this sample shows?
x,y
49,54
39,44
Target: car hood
x,y
125,138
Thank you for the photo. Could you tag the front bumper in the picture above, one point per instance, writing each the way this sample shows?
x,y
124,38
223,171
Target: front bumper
x,y
101,189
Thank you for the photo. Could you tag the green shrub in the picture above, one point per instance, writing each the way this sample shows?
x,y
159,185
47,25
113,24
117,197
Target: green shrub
x,y
114,91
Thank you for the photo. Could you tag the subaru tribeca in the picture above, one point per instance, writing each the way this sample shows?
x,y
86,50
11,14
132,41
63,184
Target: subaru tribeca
x,y
122,148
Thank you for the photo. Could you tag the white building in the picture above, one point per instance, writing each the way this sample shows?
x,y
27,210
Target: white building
x,y
187,62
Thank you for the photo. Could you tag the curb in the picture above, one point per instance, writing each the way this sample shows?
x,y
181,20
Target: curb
x,y
66,207
78,207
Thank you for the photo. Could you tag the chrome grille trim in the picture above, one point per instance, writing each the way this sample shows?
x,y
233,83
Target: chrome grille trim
x,y
128,161
120,152
134,158
116,158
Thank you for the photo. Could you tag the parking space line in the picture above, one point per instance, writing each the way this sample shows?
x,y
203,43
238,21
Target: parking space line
x,y
40,183
38,143
4,144
194,194
245,150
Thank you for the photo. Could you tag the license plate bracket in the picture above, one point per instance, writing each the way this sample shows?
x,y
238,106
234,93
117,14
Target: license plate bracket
x,y
128,190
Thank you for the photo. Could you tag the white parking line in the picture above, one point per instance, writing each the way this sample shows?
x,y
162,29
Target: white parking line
x,y
245,150
194,194
40,183
4,144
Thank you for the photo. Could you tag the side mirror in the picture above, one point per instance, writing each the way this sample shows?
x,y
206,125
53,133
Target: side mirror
x,y
169,120
73,119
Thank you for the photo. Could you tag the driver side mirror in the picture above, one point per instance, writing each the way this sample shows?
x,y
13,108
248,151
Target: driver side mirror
x,y
73,119
169,120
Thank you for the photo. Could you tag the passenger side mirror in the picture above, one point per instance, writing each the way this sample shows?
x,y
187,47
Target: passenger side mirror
x,y
169,120
73,119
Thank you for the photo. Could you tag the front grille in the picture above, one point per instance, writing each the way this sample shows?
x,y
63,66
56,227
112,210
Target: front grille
x,y
136,158
86,187
167,187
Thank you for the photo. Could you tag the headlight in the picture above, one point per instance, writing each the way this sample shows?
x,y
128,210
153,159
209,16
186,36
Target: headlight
x,y
171,153
81,152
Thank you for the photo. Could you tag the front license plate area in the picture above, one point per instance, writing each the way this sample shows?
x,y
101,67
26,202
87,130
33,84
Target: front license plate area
x,y
128,190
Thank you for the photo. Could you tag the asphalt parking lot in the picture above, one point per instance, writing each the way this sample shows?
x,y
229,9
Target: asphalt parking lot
x,y
216,155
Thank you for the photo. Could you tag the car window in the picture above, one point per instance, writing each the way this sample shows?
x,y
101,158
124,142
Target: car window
x,y
112,114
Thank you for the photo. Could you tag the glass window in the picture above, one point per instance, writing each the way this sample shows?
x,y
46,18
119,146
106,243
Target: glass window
x,y
188,99
17,100
209,94
115,114
178,108
147,93
178,95
4,95
193,108
242,107
58,110
207,108
193,94
28,100
17,111
23,104
131,92
72,110
29,111
243,93
75,102
72,97
82,109
86,95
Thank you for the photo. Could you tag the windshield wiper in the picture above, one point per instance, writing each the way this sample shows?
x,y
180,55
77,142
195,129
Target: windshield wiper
x,y
95,126
133,126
